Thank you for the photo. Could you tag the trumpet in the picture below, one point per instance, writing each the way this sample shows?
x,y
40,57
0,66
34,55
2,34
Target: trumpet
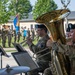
x,y
25,41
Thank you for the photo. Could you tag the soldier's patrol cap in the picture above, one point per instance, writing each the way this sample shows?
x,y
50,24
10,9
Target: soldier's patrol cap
x,y
40,26
68,30
71,26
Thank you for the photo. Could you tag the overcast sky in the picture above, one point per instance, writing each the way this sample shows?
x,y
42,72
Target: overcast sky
x,y
71,6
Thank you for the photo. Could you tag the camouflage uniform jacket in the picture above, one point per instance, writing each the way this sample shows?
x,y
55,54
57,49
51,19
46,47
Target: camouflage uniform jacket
x,y
39,47
68,50
65,50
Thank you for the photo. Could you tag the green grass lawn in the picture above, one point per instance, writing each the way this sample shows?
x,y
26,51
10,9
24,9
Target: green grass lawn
x,y
21,39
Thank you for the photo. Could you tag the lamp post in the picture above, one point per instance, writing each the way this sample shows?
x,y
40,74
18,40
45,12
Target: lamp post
x,y
65,3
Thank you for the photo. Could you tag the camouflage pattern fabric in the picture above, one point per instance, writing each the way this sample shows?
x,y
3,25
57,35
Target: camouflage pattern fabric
x,y
69,51
43,61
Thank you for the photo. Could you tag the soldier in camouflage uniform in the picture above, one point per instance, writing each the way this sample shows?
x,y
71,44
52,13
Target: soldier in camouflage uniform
x,y
4,34
68,50
33,33
9,34
18,36
14,36
71,48
43,61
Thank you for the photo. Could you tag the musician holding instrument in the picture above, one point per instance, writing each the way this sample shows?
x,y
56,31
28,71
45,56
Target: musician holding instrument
x,y
40,49
69,50
71,34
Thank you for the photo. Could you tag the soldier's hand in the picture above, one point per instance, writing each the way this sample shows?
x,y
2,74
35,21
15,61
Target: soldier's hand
x,y
49,43
29,41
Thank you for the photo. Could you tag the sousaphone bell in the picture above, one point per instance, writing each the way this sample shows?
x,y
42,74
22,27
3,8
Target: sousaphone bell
x,y
54,21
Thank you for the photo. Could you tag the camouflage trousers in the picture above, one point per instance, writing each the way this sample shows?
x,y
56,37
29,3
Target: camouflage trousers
x,y
47,71
69,51
42,67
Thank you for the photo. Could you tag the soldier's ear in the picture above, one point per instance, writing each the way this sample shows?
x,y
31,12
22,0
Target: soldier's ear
x,y
49,43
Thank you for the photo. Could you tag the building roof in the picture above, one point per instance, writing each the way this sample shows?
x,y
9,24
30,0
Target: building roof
x,y
71,15
30,17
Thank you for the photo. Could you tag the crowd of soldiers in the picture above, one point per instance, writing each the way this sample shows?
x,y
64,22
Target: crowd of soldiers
x,y
6,35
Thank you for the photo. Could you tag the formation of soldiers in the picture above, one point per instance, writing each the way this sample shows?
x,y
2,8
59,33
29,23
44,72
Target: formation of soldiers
x,y
6,35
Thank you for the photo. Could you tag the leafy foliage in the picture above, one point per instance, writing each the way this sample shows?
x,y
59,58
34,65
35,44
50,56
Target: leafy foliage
x,y
4,13
23,7
12,7
43,6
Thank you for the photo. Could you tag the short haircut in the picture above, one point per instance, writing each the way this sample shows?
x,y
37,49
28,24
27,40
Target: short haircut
x,y
41,26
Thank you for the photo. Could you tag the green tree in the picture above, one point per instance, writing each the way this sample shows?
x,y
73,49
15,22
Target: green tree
x,y
4,13
23,7
43,6
12,7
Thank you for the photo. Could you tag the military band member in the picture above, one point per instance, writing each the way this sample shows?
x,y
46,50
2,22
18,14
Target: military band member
x,y
68,50
43,61
71,35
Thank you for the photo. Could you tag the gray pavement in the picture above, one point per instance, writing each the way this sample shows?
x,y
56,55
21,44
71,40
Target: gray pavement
x,y
10,60
9,48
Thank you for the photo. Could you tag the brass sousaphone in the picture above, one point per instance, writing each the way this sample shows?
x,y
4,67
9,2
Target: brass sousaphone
x,y
54,21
